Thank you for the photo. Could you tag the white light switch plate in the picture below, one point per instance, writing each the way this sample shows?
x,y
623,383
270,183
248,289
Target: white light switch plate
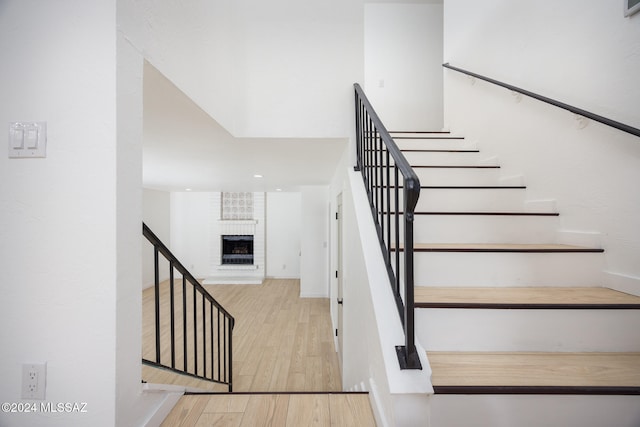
x,y
27,140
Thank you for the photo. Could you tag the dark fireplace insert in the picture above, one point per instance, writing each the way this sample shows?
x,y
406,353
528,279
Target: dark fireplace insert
x,y
237,249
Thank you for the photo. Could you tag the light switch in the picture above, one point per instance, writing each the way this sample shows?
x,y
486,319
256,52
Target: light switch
x,y
16,136
27,139
31,137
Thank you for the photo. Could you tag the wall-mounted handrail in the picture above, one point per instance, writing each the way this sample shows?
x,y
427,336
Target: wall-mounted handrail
x,y
383,165
207,328
617,125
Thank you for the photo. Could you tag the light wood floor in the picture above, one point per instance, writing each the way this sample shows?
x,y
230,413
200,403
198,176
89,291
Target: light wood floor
x,y
535,369
280,342
277,410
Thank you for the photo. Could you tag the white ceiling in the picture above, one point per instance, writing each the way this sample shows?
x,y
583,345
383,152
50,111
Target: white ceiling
x,y
183,147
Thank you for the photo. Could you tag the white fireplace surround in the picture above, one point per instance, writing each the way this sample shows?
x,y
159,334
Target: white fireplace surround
x,y
243,273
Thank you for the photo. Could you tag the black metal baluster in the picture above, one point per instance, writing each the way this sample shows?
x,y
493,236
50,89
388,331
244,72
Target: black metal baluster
x,y
229,378
156,283
380,191
184,323
211,339
219,352
388,214
397,231
173,320
204,338
195,331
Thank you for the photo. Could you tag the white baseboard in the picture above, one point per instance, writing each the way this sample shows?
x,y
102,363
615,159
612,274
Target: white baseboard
x,y
170,397
622,282
233,281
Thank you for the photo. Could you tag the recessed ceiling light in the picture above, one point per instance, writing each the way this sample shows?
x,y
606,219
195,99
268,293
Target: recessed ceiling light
x,y
278,189
257,176
187,189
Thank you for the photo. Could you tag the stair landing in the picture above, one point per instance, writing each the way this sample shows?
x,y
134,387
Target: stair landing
x,y
272,409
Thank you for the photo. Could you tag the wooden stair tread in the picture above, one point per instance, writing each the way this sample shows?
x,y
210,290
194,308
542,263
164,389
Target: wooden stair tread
x,y
523,297
535,369
463,187
479,213
455,166
500,247
425,150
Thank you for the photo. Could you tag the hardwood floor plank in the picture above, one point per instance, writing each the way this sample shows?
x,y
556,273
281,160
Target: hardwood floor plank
x,y
219,420
266,410
228,403
353,410
308,410
187,412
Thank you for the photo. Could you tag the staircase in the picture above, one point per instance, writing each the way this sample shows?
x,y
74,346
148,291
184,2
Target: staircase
x,y
517,326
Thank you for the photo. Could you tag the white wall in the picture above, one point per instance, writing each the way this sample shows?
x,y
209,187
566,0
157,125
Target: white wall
x,y
283,228
583,53
403,64
59,228
155,213
314,242
190,230
279,69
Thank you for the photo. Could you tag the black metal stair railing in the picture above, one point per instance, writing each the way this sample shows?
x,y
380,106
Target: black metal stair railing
x,y
193,332
579,111
387,173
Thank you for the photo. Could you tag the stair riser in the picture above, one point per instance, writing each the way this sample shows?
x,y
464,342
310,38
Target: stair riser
x,y
483,229
456,176
534,410
435,144
446,177
590,330
446,158
471,200
508,269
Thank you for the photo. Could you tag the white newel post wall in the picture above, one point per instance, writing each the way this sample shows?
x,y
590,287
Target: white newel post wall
x,y
237,274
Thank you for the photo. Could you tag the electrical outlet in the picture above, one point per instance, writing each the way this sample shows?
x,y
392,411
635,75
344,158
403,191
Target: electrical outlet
x,y
34,380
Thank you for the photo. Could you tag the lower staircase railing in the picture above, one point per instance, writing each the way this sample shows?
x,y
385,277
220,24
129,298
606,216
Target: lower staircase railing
x,y
387,174
193,332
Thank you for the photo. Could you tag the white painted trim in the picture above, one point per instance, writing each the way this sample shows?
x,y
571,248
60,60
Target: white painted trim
x,y
172,395
376,405
623,283
314,295
232,281
237,267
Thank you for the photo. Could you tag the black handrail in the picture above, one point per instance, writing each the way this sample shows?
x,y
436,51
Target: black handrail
x,y
216,346
377,157
614,124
